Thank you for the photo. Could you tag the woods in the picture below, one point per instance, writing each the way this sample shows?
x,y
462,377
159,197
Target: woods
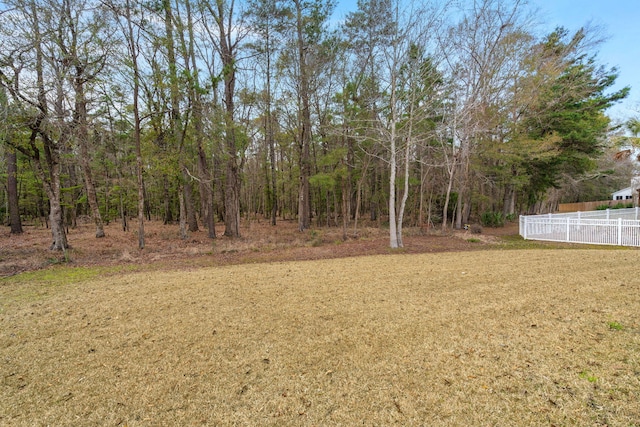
x,y
198,112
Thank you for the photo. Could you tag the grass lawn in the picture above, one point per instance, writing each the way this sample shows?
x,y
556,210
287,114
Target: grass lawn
x,y
496,337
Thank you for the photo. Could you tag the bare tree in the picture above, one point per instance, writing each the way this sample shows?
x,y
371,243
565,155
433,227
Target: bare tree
x,y
84,45
478,50
228,35
28,55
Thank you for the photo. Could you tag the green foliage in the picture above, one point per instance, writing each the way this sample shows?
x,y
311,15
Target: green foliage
x,y
616,206
323,180
492,219
570,107
622,205
615,326
586,375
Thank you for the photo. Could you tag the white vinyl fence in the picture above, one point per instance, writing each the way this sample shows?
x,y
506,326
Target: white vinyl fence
x,y
607,227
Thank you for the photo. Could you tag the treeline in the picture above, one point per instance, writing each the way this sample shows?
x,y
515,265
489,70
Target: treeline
x,y
199,111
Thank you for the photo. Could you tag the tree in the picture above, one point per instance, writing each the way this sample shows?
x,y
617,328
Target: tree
x,y
569,112
12,191
227,42
29,49
198,114
265,17
12,166
480,53
399,106
304,25
83,41
131,35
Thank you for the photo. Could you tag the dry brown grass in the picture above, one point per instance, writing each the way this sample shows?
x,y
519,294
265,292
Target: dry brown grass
x,y
260,242
528,337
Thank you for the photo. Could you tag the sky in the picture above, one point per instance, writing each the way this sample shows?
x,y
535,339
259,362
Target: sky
x,y
620,22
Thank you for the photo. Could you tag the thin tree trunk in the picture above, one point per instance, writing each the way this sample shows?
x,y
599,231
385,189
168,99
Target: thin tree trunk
x,y
12,192
166,191
183,214
53,190
176,116
304,204
393,232
451,168
51,149
227,47
133,54
356,217
81,116
192,220
205,182
206,190
405,194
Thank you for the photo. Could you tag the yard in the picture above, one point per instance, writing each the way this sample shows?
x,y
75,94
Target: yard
x,y
494,337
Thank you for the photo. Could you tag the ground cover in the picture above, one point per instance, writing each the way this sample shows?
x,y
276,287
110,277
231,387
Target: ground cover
x,y
260,242
495,337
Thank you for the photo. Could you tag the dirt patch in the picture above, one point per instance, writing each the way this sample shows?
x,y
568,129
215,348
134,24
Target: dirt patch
x,y
527,337
260,242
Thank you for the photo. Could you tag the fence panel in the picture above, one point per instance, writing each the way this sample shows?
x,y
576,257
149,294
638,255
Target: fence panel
x,y
585,227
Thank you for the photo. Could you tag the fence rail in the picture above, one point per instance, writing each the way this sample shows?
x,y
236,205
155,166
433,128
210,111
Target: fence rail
x,y
608,227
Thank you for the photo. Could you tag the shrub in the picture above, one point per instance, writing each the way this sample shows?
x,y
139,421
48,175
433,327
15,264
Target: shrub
x,y
492,219
619,205
622,205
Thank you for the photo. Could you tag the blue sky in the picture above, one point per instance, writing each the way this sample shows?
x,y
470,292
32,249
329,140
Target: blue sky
x,y
620,21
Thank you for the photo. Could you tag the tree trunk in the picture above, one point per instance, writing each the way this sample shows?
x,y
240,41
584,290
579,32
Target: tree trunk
x,y
82,133
205,182
405,195
51,149
133,49
447,198
272,160
223,15
52,189
206,192
393,232
509,206
231,200
192,220
183,213
304,204
12,192
166,191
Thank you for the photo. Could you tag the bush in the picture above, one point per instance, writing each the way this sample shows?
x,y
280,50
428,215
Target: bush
x,y
619,205
622,205
492,219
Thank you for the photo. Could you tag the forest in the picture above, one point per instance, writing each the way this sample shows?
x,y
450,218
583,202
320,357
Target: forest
x,y
197,112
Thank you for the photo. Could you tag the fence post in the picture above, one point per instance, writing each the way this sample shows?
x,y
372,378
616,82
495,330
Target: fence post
x,y
619,231
568,222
